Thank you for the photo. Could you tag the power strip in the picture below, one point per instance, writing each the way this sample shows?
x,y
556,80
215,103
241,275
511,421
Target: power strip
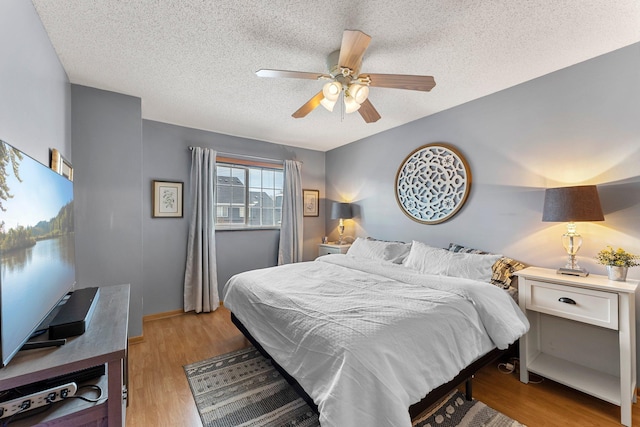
x,y
36,400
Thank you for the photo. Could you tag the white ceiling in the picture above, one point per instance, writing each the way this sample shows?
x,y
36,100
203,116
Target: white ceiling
x,y
192,62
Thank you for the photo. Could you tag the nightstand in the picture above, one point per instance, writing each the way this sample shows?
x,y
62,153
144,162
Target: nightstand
x,y
333,248
583,334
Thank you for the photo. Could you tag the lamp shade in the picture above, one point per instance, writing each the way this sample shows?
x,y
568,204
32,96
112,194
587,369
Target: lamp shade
x,y
327,104
572,204
341,211
359,92
350,104
331,90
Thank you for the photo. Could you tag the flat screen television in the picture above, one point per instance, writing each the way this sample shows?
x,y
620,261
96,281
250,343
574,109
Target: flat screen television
x,y
37,250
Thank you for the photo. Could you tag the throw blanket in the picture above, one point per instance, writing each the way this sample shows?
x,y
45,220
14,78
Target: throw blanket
x,y
367,339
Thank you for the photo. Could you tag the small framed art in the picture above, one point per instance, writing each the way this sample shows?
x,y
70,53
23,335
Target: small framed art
x,y
166,199
61,165
311,202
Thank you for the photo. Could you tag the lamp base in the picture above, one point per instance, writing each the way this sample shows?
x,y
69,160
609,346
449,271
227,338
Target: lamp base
x,y
573,271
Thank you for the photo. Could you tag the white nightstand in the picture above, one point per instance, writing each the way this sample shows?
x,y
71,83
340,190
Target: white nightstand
x,y
583,334
333,248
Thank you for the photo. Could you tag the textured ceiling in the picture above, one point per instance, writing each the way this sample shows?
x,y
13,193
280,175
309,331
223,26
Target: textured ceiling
x,y
192,62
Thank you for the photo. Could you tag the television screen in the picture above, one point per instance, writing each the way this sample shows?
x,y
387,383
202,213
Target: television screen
x,y
37,251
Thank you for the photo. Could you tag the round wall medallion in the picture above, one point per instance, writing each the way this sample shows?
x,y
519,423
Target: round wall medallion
x,y
433,183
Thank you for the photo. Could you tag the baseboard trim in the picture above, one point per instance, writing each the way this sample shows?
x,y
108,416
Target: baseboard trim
x,y
163,315
136,340
158,316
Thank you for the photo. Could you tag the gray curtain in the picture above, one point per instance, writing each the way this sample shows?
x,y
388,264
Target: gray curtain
x,y
290,248
200,277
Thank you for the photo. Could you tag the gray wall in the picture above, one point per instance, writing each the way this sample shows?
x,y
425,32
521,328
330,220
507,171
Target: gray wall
x,y
107,146
579,125
167,157
35,107
117,155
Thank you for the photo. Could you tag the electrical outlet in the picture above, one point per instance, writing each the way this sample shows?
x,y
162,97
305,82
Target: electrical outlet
x,y
36,400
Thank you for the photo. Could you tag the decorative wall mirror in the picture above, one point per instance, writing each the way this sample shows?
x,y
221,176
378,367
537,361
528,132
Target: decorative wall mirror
x,y
433,183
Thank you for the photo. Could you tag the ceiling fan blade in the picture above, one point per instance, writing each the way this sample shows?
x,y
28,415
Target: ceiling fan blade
x,y
401,81
291,74
368,112
309,106
354,44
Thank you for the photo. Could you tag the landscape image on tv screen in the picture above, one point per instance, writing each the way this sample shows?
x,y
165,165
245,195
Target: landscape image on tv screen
x,y
37,255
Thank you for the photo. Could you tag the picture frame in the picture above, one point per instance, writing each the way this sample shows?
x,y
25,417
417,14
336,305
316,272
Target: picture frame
x,y
166,199
61,165
310,202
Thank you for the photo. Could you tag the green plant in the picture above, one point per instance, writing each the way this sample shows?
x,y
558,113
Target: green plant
x,y
617,258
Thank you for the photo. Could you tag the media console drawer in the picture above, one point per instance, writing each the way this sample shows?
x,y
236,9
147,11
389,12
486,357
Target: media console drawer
x,y
584,305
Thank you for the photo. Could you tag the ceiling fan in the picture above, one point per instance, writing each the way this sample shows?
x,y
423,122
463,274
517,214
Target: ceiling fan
x,y
346,82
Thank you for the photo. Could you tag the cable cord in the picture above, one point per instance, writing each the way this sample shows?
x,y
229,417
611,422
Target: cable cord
x,y
513,366
22,414
509,367
93,387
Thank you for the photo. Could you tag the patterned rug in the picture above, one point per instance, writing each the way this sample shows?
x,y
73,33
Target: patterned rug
x,y
242,389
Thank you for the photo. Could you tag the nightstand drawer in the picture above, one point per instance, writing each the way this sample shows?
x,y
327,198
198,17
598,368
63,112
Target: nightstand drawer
x,y
583,305
332,248
324,250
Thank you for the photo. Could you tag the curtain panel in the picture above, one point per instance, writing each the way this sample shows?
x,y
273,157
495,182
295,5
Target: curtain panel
x,y
290,246
200,278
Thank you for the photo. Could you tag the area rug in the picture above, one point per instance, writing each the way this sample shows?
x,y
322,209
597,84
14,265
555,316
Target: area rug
x,y
242,389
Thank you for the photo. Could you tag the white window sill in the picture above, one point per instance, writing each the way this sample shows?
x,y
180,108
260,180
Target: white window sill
x,y
245,228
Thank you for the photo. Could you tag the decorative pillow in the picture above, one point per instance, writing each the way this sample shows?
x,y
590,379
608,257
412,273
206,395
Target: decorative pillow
x,y
502,270
453,247
394,252
430,260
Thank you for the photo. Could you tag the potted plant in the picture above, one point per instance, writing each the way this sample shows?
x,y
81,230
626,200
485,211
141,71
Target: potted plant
x,y
617,262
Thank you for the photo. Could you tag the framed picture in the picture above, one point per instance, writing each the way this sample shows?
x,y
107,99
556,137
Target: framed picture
x,y
166,199
310,202
61,165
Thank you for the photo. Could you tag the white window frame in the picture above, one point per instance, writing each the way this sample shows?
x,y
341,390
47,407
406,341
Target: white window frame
x,y
246,165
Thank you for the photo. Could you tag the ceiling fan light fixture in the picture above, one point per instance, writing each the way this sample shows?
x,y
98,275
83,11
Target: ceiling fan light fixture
x,y
350,104
328,104
358,92
331,91
345,80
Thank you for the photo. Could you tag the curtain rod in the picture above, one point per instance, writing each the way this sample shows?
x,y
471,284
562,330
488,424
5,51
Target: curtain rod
x,y
245,156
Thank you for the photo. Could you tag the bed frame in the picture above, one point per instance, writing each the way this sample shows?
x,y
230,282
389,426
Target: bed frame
x,y
429,400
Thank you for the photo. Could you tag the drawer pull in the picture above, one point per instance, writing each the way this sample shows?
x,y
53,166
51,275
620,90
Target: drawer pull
x,y
567,300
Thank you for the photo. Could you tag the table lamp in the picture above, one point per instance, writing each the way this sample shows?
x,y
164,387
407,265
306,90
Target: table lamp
x,y
341,211
572,204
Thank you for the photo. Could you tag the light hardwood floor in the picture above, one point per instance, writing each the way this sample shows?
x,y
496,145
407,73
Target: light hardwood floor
x,y
160,395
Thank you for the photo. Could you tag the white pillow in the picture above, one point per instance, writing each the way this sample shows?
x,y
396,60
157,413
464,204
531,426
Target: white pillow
x,y
430,260
377,249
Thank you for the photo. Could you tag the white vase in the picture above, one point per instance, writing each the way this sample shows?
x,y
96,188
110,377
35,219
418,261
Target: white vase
x,y
619,274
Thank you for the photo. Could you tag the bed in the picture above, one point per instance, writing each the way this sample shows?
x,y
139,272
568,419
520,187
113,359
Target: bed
x,y
368,334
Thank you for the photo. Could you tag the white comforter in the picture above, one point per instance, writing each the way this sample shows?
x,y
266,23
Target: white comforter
x,y
367,339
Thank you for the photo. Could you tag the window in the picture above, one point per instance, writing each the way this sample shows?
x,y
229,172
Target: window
x,y
248,195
